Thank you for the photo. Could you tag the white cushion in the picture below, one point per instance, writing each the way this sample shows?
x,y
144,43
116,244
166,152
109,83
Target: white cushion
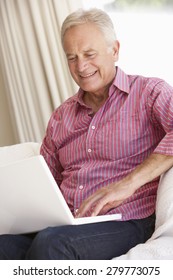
x,y
160,245
9,154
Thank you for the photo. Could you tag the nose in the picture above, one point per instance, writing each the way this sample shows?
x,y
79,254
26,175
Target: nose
x,y
81,64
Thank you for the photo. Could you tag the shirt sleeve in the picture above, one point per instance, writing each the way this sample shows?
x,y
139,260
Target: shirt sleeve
x,y
160,103
49,151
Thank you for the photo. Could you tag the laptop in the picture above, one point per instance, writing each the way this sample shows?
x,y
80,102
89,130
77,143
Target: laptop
x,y
30,199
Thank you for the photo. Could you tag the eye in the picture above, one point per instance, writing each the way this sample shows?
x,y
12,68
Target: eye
x,y
71,58
91,55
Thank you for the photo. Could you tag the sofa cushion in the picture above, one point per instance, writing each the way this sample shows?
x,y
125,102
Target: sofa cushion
x,y
160,245
9,154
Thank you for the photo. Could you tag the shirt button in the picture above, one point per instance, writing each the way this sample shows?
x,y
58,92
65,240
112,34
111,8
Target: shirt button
x,y
89,150
93,127
81,187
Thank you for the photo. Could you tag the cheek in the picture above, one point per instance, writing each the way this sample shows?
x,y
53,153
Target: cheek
x,y
72,71
106,71
106,64
110,66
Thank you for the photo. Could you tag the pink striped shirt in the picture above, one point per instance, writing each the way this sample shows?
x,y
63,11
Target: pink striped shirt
x,y
86,152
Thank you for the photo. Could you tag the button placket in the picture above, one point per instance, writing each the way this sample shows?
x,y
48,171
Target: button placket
x,y
89,139
81,187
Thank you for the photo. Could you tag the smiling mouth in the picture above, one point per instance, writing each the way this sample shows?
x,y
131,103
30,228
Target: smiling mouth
x,y
88,75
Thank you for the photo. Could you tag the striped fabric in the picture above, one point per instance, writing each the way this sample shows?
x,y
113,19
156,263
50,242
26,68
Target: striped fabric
x,y
86,152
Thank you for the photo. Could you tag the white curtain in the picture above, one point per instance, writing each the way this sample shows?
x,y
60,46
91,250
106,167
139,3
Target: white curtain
x,y
33,63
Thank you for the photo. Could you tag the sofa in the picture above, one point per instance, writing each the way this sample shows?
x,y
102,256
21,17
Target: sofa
x,y
160,245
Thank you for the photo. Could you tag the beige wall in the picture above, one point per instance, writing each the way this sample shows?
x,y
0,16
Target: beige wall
x,y
6,131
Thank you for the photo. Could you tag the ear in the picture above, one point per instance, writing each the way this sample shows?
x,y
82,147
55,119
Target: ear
x,y
116,48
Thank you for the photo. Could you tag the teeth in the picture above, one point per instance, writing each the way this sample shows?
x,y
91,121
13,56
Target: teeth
x,y
86,76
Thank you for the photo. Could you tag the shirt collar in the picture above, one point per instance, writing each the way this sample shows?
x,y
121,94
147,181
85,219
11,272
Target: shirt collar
x,y
121,81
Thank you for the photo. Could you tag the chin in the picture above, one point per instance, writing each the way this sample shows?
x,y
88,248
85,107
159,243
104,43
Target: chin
x,y
89,88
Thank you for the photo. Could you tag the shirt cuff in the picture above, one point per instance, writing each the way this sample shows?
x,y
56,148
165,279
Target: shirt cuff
x,y
166,145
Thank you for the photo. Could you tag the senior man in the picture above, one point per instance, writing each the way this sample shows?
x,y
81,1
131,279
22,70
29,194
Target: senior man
x,y
106,147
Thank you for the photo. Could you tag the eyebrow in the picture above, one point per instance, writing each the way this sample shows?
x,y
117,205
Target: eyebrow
x,y
89,50
85,51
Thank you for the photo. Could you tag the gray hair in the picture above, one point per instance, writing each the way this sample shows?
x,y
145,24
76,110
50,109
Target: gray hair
x,y
96,16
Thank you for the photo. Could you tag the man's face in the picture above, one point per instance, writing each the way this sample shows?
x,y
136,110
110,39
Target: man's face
x,y
91,61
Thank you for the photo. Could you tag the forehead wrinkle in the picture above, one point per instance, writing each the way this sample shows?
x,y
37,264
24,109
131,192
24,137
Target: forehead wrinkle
x,y
87,50
76,41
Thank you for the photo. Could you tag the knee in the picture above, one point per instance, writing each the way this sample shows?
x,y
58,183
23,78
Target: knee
x,y
40,245
51,244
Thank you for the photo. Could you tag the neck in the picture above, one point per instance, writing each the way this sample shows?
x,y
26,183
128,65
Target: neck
x,y
95,101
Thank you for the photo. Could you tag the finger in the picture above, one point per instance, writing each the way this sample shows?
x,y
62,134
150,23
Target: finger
x,y
88,204
104,205
100,205
110,206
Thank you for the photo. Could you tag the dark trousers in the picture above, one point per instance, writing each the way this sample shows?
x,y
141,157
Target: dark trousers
x,y
99,241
